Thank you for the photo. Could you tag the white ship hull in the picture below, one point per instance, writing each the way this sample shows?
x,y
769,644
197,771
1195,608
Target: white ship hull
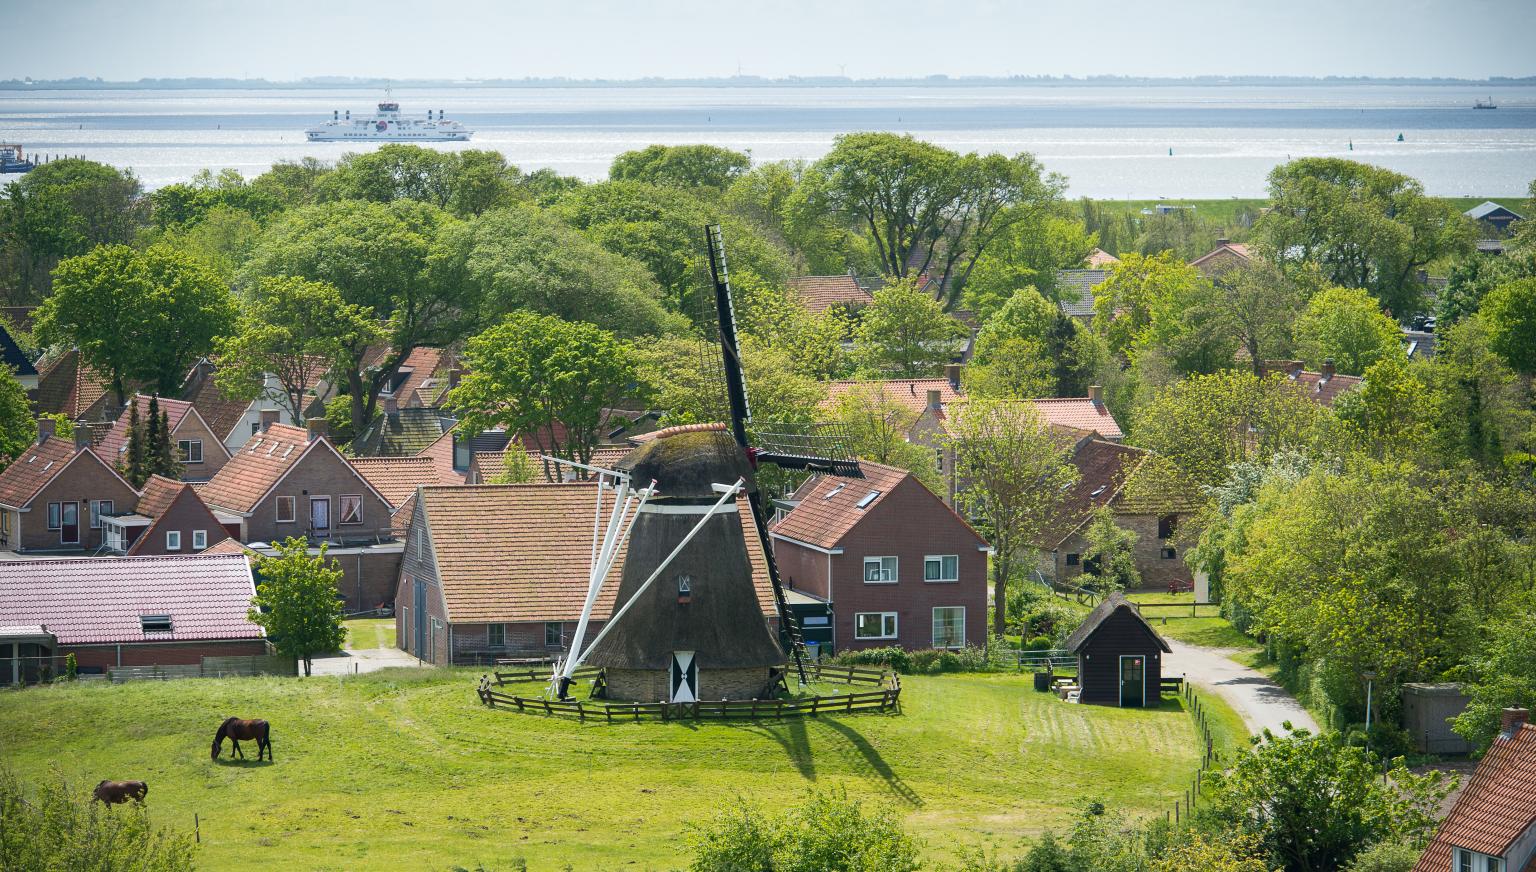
x,y
388,125
317,135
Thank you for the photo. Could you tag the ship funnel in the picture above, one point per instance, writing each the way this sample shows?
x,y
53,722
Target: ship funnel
x,y
349,114
335,114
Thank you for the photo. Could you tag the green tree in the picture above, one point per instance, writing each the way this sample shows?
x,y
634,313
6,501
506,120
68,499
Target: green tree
x,y
544,377
679,374
1261,303
517,467
1014,470
1111,553
136,462
1471,279
1363,226
782,198
827,833
294,183
878,424
296,331
55,826
1346,326
64,208
18,429
184,204
144,315
393,171
1484,410
1161,305
162,451
681,166
1028,255
1393,413
1197,853
1503,676
1013,357
905,332
1510,312
296,601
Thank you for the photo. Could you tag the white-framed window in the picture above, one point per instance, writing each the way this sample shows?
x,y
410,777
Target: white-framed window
x,y
351,509
941,567
5,527
189,450
173,540
949,627
421,540
880,570
100,508
54,516
874,625
1495,864
554,634
199,540
287,509
255,427
496,635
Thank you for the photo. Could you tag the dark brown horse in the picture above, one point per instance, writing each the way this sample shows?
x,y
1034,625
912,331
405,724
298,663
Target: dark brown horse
x,y
114,792
236,729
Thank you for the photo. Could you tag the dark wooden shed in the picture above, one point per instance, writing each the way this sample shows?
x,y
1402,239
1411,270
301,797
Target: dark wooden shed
x,y
1119,655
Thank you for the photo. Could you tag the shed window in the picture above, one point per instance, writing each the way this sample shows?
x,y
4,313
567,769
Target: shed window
x,y
1169,553
189,450
949,627
1074,559
351,508
496,635
1165,525
199,540
874,625
155,623
286,509
173,540
941,567
554,634
880,570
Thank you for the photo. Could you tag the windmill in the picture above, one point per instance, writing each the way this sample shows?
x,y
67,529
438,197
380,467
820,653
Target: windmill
x,y
701,630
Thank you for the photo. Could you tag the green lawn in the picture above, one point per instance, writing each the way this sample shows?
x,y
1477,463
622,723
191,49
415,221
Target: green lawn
x,y
370,633
1197,625
404,769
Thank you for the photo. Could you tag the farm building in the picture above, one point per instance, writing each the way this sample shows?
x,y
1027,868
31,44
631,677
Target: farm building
x,y
1497,217
124,611
1119,655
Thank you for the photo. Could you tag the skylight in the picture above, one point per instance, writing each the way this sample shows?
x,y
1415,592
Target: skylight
x,y
1098,490
155,623
833,492
868,498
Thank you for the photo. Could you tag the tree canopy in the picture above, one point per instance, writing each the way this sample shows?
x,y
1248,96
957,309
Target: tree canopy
x,y
1345,325
680,166
296,602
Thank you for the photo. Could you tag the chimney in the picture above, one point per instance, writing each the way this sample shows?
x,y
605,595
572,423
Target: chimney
x,y
269,417
44,429
952,372
319,428
392,407
1096,394
1511,719
1327,368
453,378
1221,243
934,403
83,436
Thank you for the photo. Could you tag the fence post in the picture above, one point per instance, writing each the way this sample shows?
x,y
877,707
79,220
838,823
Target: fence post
x,y
197,829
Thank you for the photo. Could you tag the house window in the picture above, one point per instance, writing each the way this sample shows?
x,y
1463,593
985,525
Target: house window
x,y
155,623
1494,864
941,567
199,540
189,450
255,427
287,509
173,540
949,627
496,635
554,634
880,570
1074,559
874,625
1165,525
100,509
938,459
5,528
1169,553
54,512
351,508
421,540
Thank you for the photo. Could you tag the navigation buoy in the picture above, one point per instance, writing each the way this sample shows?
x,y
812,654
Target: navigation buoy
x,y
1351,145
1170,152
1399,137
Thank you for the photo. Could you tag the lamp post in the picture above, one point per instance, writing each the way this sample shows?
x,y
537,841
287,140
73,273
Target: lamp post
x,y
1370,678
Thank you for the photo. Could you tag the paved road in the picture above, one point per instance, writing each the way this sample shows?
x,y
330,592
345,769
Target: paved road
x,y
362,660
1261,702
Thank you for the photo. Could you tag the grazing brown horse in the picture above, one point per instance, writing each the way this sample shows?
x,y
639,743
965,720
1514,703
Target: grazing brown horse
x,y
114,792
236,729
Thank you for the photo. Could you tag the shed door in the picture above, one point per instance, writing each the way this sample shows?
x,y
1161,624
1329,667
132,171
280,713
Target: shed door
x,y
421,620
685,677
1133,680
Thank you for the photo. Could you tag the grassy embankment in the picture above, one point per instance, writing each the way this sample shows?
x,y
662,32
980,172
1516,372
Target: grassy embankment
x,y
404,769
370,633
1226,211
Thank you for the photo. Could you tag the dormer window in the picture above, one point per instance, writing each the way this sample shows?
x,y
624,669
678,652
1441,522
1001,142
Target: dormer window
x,y
155,623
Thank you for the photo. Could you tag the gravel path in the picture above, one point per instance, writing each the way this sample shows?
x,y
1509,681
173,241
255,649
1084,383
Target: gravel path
x,y
362,660
1261,702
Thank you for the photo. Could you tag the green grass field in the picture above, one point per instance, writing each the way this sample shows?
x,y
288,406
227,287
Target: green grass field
x,y
370,633
1197,625
404,769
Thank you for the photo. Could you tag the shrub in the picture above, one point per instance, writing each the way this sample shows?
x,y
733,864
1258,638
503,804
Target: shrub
x,y
948,661
71,667
1038,643
891,656
60,827
827,833
925,661
1386,857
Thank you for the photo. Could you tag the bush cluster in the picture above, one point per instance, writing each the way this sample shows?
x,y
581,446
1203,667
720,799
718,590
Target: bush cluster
x,y
926,661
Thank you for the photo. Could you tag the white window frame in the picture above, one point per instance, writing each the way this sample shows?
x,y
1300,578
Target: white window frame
x,y
199,540
184,450
882,574
892,617
255,428
341,505
55,516
99,508
492,631
293,509
173,540
958,644
940,559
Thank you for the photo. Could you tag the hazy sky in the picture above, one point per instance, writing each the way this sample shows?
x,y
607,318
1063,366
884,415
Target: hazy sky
x,y
287,39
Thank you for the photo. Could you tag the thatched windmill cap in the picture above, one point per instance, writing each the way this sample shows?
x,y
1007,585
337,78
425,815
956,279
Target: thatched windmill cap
x,y
687,462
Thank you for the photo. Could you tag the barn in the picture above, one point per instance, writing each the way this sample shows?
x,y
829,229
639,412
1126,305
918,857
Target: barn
x,y
1119,655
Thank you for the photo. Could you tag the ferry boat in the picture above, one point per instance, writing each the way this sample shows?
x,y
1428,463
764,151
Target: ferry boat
x,y
388,125
13,161
1485,104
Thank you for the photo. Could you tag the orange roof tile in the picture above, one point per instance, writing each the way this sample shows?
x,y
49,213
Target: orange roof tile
x,y
821,293
1498,804
911,392
1103,468
441,452
67,386
1101,259
396,478
159,493
1080,413
519,553
219,411
38,465
255,468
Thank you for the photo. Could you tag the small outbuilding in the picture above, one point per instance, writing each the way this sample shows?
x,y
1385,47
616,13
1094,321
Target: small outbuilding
x,y
1119,655
1427,713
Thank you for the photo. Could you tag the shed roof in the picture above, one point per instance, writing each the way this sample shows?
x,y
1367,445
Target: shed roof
x,y
1498,804
1115,602
100,600
1075,287
821,293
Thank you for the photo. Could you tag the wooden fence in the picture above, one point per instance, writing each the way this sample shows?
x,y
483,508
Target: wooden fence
x,y
1208,760
210,667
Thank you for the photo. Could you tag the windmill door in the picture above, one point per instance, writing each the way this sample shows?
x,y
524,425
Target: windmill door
x,y
685,677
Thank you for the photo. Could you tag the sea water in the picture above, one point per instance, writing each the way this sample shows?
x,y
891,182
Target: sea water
x,y
1110,142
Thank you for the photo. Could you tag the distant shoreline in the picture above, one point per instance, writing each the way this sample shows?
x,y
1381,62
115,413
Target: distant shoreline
x,y
326,82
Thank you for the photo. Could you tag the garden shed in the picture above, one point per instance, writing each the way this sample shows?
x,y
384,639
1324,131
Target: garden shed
x,y
1119,655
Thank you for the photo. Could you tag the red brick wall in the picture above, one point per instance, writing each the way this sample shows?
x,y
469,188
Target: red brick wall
x,y
214,453
802,568
1156,570
162,654
186,514
321,474
83,481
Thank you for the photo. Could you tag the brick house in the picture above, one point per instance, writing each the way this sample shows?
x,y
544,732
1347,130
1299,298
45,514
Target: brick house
x,y
1492,825
66,386
169,519
55,494
200,450
125,611
501,571
893,563
1323,387
1143,493
234,421
1224,258
820,293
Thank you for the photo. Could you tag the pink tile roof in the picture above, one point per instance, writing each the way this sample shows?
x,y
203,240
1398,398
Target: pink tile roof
x,y
115,442
99,600
1101,259
1498,804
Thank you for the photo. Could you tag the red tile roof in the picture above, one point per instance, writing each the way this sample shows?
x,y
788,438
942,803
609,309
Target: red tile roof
x,y
99,600
1103,469
179,493
255,468
1498,804
1324,390
115,443
1101,259
67,386
419,367
911,392
396,478
441,452
1079,413
829,506
220,412
821,293
159,493
519,552
40,464
232,546
1240,249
